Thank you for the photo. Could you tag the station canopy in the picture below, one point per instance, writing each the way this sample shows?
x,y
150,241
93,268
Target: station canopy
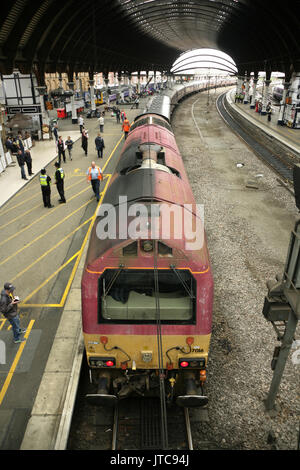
x,y
133,35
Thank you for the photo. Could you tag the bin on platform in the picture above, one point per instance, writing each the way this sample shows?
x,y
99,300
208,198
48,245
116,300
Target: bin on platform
x,y
61,113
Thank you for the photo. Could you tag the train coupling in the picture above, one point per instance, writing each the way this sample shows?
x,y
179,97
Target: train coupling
x,y
102,397
192,399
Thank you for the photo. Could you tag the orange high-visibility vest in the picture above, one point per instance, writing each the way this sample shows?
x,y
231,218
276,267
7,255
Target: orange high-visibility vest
x,y
100,177
126,125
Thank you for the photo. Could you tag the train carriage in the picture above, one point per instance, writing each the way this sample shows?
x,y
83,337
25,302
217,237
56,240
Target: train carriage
x,y
147,279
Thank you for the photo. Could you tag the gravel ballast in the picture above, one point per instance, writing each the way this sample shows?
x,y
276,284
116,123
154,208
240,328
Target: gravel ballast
x,y
248,231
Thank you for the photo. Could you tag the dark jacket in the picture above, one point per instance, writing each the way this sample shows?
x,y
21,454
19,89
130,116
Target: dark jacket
x,y
27,157
8,310
21,159
99,142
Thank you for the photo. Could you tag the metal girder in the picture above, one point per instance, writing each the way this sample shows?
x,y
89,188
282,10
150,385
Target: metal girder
x,y
147,33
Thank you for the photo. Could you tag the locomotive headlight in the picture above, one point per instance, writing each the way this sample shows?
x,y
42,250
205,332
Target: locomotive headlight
x,y
105,362
193,363
146,356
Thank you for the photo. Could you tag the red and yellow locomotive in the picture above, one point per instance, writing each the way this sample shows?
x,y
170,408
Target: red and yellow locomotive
x,y
147,286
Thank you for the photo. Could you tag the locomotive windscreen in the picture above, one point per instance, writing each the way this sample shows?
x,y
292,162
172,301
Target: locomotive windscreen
x,y
128,296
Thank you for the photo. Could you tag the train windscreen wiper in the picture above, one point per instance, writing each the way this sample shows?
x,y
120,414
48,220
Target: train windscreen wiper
x,y
186,287
113,280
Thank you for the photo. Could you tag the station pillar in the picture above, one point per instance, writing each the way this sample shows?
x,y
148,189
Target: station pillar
x,y
42,90
139,82
255,80
74,111
92,93
286,87
247,86
265,98
106,81
130,85
60,80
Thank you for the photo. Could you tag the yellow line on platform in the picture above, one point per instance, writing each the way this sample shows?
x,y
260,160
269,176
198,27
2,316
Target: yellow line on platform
x,y
44,233
39,219
51,249
39,205
23,304
15,363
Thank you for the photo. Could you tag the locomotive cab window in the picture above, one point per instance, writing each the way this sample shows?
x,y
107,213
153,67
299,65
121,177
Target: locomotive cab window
x,y
129,296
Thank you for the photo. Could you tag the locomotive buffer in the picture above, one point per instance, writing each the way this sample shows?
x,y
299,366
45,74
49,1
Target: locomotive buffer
x,y
282,309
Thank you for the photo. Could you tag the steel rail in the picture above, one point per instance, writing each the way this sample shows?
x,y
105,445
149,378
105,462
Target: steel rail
x,y
188,429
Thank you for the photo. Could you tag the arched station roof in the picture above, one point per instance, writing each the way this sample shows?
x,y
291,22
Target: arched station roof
x,y
131,35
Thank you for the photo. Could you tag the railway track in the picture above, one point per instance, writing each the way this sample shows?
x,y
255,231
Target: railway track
x,y
136,426
281,164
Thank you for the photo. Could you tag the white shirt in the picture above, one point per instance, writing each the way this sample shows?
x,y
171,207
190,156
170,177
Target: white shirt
x,y
101,120
80,120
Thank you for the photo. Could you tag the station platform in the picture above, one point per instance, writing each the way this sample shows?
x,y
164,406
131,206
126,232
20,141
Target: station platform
x,y
42,153
286,135
42,251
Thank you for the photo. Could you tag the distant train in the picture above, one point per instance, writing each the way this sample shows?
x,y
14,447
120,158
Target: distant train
x,y
278,92
147,300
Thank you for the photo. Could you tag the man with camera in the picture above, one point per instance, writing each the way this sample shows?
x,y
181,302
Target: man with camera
x,y
9,308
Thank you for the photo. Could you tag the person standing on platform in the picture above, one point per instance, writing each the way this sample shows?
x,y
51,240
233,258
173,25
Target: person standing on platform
x,y
9,308
84,140
61,150
19,143
118,112
101,123
28,161
69,143
123,116
59,181
94,176
126,127
99,142
45,181
81,123
21,163
55,132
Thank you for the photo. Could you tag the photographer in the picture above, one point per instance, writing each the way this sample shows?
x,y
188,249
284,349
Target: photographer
x,y
9,308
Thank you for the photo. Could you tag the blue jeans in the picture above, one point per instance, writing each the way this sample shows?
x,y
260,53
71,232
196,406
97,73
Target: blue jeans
x,y
23,174
15,323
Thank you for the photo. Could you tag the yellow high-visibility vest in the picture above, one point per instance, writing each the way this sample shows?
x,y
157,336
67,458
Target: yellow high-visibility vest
x,y
43,180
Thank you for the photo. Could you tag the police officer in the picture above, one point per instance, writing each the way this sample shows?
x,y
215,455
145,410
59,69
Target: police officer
x,y
45,181
59,181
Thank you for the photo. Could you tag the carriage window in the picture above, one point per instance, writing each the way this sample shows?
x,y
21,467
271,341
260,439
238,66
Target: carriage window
x,y
128,296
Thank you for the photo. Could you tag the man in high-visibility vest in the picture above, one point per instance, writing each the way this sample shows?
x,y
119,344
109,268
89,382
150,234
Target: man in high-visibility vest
x,y
59,181
126,127
45,182
94,175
